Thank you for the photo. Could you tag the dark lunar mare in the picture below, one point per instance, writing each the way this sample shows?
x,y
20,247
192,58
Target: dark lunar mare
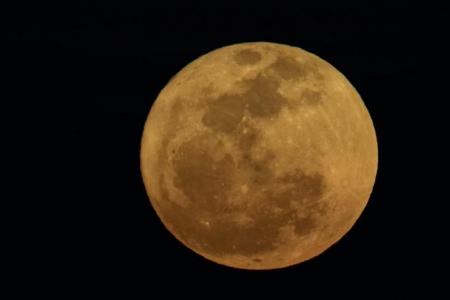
x,y
207,183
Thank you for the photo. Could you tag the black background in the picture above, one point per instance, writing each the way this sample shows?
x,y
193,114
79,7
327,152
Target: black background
x,y
83,80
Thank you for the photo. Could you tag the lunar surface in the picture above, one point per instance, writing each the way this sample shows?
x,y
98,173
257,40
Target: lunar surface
x,y
259,155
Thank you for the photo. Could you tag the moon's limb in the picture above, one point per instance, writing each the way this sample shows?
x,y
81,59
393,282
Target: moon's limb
x,y
259,155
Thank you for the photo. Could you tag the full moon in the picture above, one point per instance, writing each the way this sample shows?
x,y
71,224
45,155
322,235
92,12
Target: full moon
x,y
259,155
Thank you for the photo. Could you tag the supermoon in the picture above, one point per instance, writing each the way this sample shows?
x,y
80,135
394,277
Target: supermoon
x,y
259,155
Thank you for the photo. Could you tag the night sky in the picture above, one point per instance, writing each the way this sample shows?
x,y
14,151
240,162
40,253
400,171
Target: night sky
x,y
80,82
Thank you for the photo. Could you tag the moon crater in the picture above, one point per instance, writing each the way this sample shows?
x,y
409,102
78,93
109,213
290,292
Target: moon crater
x,y
247,57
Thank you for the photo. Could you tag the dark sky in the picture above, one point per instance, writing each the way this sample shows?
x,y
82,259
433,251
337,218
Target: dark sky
x,y
82,81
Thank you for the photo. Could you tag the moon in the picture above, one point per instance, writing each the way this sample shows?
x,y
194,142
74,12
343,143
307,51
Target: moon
x,y
259,155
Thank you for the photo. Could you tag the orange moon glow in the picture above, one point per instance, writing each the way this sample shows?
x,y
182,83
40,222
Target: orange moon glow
x,y
259,155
